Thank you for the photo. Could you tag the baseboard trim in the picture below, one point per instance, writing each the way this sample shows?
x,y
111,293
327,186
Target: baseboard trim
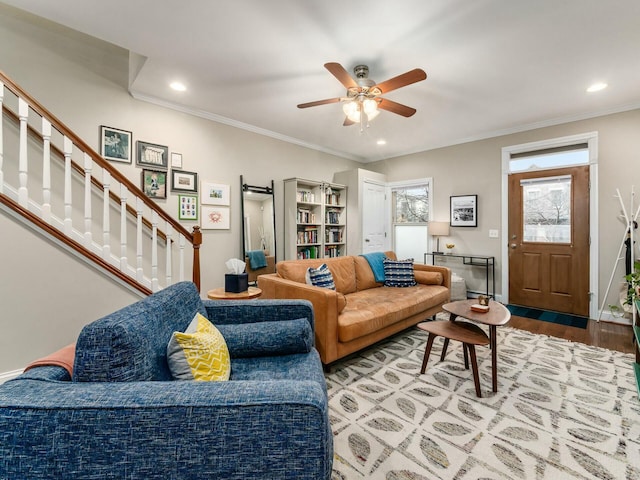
x,y
9,375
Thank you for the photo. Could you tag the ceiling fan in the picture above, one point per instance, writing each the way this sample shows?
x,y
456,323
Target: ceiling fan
x,y
364,96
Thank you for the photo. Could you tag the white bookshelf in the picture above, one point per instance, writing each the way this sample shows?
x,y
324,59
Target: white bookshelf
x,y
315,219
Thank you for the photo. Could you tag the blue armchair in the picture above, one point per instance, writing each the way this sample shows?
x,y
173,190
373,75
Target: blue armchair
x,y
121,415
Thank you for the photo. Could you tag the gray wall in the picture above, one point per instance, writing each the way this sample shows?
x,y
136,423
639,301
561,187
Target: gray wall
x,y
475,168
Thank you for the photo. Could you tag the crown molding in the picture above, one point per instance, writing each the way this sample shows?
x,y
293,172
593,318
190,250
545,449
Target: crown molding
x,y
241,125
295,141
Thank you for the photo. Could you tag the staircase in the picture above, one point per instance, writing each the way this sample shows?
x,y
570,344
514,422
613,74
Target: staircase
x,y
52,180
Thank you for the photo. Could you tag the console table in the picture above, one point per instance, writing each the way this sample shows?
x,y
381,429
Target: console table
x,y
485,261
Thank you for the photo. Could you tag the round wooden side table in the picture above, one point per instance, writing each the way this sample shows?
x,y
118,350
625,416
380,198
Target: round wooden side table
x,y
220,294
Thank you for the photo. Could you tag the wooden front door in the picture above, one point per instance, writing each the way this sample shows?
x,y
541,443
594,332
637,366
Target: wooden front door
x,y
549,240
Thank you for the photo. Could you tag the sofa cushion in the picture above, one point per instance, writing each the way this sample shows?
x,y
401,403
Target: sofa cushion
x,y
428,278
320,277
131,344
364,275
399,273
370,310
200,353
342,269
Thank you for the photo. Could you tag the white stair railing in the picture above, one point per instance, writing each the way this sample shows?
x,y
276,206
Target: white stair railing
x,y
73,180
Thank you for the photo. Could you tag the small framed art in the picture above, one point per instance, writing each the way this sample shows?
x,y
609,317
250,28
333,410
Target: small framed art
x,y
176,160
152,155
464,211
214,194
187,207
182,181
215,218
154,183
115,144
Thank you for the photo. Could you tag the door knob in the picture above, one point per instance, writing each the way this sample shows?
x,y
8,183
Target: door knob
x,y
513,245
367,240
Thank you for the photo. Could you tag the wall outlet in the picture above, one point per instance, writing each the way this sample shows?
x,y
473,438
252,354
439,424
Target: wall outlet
x,y
493,234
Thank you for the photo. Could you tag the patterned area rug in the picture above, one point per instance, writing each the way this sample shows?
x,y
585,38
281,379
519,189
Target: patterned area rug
x,y
563,410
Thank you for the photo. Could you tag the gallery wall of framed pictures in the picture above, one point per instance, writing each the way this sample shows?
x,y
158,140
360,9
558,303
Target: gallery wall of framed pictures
x,y
162,172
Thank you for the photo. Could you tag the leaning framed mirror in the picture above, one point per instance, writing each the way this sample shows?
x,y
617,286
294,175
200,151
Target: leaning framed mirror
x,y
258,229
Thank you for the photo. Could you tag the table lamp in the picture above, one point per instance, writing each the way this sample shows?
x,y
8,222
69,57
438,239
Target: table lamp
x,y
438,229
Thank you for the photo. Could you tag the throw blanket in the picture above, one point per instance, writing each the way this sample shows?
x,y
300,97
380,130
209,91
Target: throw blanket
x,y
257,259
375,260
62,358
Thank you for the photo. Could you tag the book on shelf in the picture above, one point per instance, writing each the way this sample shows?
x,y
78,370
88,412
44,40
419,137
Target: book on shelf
x,y
332,199
332,216
308,252
333,235
308,235
305,216
332,251
305,196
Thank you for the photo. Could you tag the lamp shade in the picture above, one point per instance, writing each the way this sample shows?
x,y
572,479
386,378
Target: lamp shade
x,y
438,228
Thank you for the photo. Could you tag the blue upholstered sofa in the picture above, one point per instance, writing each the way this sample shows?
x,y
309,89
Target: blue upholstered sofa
x,y
121,416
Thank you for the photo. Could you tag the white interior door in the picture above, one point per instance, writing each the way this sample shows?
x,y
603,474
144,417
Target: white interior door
x,y
373,218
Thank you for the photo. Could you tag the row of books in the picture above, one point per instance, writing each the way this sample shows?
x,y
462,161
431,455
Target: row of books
x,y
332,216
332,199
305,216
309,252
308,235
333,235
332,251
305,196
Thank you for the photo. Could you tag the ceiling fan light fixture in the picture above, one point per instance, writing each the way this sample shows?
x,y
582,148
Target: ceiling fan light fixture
x,y
370,106
352,111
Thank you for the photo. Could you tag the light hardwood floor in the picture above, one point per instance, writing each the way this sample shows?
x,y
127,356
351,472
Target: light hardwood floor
x,y
599,334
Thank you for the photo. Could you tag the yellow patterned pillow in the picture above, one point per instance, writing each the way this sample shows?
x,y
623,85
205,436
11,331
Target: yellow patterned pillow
x,y
200,353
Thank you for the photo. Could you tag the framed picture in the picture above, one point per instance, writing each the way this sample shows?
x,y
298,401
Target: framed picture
x,y
464,211
154,183
214,194
176,160
182,181
152,155
215,218
116,145
187,207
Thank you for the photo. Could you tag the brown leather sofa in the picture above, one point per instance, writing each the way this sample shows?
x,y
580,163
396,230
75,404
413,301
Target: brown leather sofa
x,y
360,311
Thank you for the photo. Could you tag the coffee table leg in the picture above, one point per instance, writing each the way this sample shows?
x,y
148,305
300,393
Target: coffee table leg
x,y
427,351
474,368
494,357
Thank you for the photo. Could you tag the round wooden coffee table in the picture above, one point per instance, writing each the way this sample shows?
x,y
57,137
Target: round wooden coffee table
x,y
220,294
497,315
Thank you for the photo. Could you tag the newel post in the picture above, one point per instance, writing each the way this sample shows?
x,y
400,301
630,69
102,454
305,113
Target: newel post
x,y
197,241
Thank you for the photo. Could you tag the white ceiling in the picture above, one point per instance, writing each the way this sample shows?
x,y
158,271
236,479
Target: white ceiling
x,y
493,66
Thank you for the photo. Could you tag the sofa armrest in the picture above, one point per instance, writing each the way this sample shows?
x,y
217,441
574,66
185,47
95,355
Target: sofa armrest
x,y
326,309
231,430
445,271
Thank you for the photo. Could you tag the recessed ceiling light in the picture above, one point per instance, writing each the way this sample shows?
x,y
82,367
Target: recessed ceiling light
x,y
596,87
381,142
180,87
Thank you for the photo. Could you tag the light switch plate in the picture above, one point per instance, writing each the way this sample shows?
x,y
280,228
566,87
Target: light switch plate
x,y
493,233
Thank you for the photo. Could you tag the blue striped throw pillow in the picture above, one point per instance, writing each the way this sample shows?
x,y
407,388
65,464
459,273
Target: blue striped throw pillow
x,y
320,277
399,273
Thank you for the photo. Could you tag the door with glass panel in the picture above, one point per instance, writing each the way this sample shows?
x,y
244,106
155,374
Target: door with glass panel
x,y
549,240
